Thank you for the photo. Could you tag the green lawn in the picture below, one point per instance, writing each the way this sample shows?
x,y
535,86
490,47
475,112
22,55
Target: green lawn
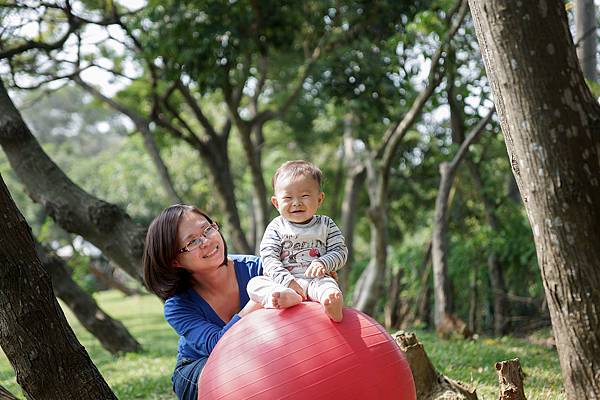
x,y
147,375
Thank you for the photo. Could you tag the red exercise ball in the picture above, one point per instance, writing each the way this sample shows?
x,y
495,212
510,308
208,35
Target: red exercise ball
x,y
299,353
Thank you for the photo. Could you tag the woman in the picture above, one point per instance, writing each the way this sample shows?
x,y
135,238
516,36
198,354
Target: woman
x,y
186,264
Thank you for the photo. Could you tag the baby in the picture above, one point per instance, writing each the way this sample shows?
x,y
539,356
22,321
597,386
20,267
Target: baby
x,y
300,249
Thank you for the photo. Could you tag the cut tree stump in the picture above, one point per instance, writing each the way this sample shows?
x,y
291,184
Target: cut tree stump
x,y
510,378
429,383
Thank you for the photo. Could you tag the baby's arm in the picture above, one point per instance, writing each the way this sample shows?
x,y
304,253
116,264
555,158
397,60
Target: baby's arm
x,y
270,252
336,251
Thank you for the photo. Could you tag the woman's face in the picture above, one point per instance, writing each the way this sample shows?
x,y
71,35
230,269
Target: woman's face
x,y
211,251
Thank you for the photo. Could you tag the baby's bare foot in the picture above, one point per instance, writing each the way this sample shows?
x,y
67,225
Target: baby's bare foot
x,y
285,298
333,304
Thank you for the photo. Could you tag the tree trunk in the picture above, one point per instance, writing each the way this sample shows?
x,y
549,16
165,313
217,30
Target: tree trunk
x,y
217,159
379,165
473,302
355,178
159,164
551,125
112,334
48,360
108,276
496,275
441,284
105,225
585,37
422,309
259,192
495,269
142,125
369,286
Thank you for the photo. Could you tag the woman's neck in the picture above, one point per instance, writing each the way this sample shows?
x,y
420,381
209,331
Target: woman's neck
x,y
216,280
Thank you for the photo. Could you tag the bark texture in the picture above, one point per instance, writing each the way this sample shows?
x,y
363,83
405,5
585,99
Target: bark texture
x,y
112,334
48,360
551,125
105,225
510,378
429,383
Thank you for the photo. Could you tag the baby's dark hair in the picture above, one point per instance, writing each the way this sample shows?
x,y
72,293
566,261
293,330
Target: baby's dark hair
x,y
295,168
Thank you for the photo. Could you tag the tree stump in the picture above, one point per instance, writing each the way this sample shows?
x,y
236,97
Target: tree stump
x,y
429,383
510,378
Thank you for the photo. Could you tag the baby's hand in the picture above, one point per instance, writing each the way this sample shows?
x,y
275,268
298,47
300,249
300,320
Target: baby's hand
x,y
316,269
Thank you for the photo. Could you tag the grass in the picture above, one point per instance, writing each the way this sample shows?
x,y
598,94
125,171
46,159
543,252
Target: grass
x,y
147,375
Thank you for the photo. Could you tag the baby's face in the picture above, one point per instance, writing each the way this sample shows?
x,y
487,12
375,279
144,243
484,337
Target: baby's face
x,y
297,200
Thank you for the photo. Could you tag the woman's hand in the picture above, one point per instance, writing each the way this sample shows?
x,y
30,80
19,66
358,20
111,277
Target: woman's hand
x,y
249,307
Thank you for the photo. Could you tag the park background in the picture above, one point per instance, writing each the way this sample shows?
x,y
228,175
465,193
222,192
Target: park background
x,y
147,104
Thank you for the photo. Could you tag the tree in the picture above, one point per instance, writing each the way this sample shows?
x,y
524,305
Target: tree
x,y
34,334
585,37
105,225
443,300
551,125
379,166
112,334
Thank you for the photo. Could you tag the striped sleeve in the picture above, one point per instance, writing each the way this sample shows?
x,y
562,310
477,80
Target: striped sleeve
x,y
337,252
270,252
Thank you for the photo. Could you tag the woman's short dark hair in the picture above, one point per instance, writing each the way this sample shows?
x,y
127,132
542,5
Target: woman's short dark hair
x,y
160,250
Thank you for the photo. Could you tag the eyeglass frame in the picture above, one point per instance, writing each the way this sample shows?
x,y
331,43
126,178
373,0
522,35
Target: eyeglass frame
x,y
203,237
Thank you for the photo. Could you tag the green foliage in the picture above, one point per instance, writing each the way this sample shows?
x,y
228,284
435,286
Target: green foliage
x,y
81,274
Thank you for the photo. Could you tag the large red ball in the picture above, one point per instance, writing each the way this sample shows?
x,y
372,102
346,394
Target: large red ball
x,y
299,353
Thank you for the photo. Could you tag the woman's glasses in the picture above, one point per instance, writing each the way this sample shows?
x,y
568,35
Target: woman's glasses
x,y
210,230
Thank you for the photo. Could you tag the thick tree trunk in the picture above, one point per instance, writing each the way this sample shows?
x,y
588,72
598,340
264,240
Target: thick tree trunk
x,y
585,37
105,225
48,360
551,125
112,334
